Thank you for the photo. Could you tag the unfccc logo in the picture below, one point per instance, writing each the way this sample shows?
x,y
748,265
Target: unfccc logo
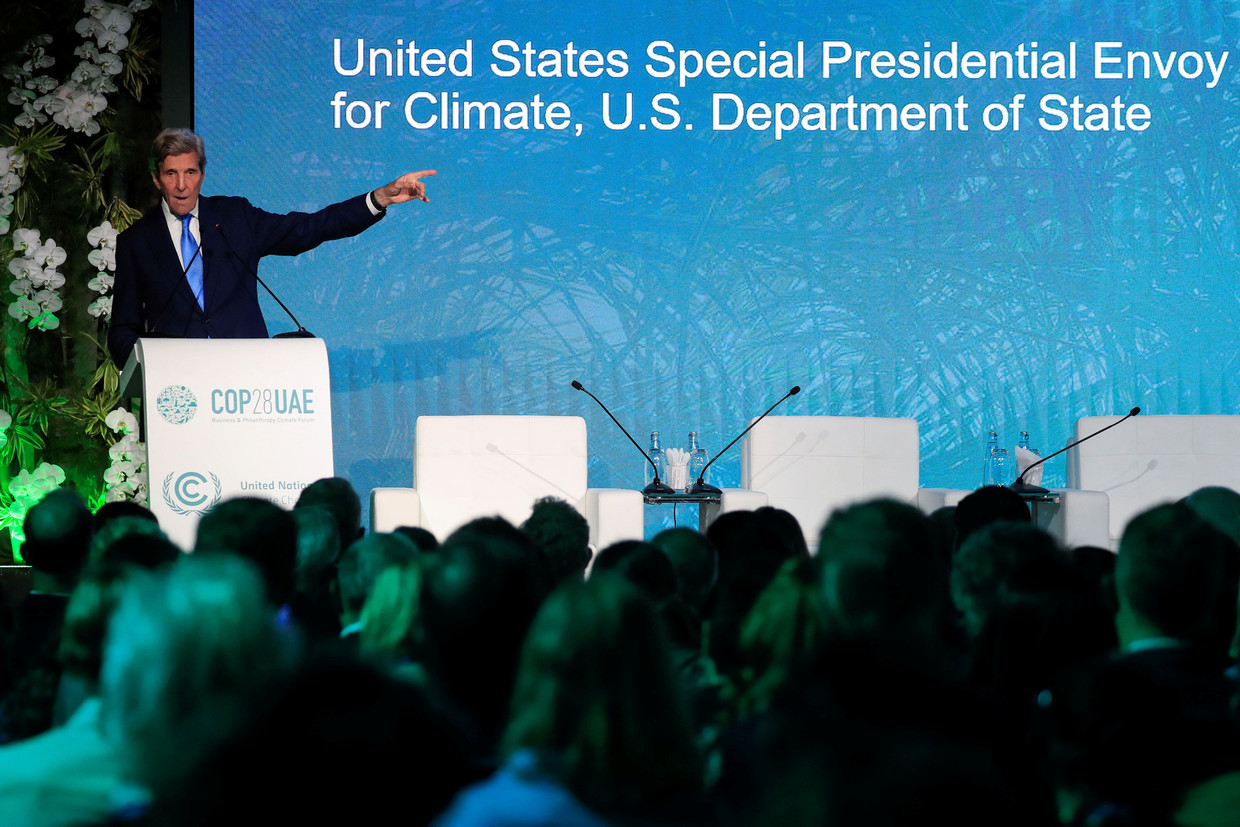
x,y
176,404
189,492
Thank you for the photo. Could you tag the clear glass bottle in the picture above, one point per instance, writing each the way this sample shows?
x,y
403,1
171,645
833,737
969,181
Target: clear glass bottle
x,y
656,457
698,457
992,445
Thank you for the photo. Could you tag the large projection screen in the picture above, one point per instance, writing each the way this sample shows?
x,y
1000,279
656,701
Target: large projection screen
x,y
981,215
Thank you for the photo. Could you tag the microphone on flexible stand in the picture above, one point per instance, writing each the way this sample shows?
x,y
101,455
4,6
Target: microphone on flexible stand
x,y
1022,487
300,332
703,487
163,307
656,487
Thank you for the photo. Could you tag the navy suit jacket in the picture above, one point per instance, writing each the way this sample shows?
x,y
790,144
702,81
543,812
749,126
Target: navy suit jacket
x,y
152,298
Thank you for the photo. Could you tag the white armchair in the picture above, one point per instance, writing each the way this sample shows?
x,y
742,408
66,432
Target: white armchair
x,y
1152,460
812,465
466,467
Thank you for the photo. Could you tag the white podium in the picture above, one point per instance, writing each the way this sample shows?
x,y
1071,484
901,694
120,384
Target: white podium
x,y
230,417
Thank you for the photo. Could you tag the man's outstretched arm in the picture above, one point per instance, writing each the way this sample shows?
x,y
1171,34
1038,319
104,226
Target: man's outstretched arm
x,y
407,187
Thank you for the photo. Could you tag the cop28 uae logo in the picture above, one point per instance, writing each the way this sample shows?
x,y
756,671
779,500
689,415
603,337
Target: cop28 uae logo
x,y
190,493
176,404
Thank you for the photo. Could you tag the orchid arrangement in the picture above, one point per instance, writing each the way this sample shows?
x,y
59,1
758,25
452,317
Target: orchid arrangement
x,y
103,257
36,280
65,174
26,489
126,477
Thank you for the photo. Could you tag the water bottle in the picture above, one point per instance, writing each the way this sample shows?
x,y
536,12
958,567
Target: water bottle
x,y
697,458
992,445
656,457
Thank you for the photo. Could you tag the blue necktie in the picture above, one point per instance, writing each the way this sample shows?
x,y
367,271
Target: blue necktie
x,y
188,249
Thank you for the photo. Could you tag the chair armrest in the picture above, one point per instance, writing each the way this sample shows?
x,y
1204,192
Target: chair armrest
x,y
614,514
1080,518
930,500
391,508
731,499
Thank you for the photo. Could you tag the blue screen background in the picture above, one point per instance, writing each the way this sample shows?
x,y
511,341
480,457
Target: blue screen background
x,y
1013,279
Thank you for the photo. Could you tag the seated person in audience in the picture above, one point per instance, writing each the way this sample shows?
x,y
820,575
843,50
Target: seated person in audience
x,y
259,531
859,731
783,636
311,605
750,551
359,567
340,499
122,509
696,562
1220,507
643,565
480,592
191,651
598,732
71,773
1139,729
883,582
58,532
339,743
391,631
564,536
1029,613
133,540
786,526
421,537
989,504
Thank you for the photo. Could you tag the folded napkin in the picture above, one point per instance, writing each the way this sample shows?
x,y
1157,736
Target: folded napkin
x,y
1025,458
677,468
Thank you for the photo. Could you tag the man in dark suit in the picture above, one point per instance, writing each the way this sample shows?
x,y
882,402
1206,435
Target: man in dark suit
x,y
188,268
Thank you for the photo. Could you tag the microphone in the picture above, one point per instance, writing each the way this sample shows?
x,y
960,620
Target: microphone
x,y
154,323
1022,487
656,487
300,332
703,487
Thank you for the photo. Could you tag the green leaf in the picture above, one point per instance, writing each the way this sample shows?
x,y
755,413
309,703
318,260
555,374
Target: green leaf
x,y
28,445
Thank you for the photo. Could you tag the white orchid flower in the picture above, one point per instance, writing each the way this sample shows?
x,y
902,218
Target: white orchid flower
x,y
24,268
29,118
102,282
50,254
44,321
103,259
85,71
49,301
102,236
100,308
110,63
88,27
25,240
122,421
24,308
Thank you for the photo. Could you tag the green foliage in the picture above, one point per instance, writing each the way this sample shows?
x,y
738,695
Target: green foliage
x,y
60,385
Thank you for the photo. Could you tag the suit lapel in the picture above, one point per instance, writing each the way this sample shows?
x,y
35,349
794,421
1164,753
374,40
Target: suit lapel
x,y
166,260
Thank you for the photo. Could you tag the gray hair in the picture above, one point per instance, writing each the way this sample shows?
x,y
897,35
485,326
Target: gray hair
x,y
177,142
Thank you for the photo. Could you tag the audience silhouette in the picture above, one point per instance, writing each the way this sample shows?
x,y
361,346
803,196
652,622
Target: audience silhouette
x,y
958,668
